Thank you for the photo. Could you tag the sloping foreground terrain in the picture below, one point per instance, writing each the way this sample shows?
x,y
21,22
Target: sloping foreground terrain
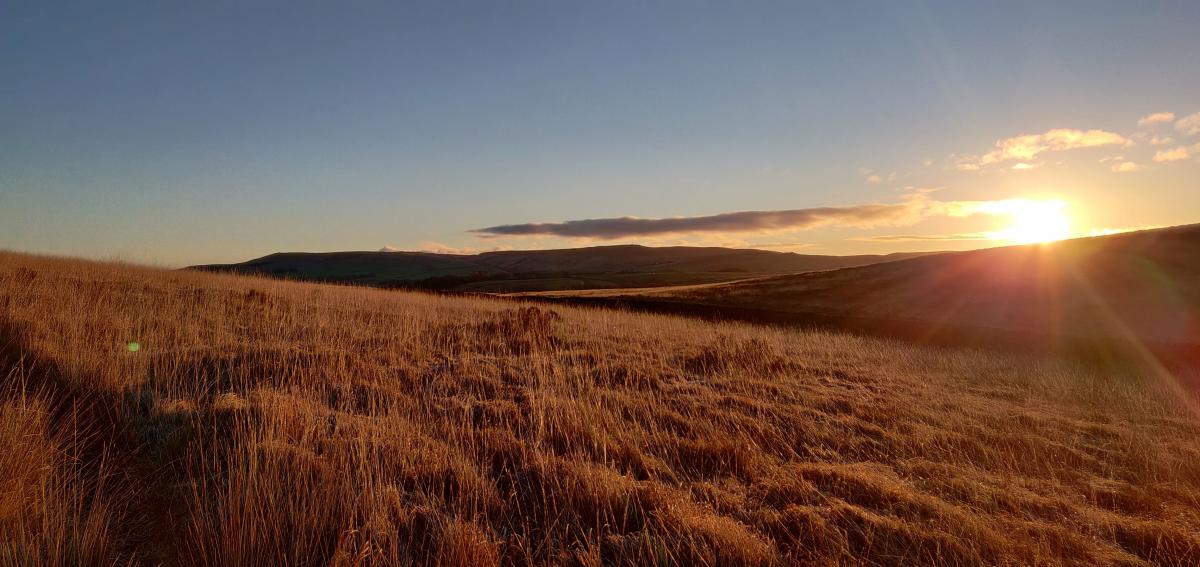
x,y
1141,286
152,417
533,270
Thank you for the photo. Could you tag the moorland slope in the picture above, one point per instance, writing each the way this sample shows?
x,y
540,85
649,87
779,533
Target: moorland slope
x,y
184,418
594,267
1140,286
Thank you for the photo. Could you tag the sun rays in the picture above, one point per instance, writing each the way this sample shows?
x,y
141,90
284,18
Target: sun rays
x,y
1032,222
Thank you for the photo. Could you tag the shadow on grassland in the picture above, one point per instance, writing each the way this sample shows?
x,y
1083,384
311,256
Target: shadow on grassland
x,y
1180,358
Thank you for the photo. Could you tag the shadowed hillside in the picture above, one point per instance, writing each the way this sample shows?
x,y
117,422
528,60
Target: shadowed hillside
x,y
1142,286
534,270
184,418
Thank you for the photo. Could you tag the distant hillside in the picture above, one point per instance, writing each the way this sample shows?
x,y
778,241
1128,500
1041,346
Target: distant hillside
x,y
1143,285
194,419
533,270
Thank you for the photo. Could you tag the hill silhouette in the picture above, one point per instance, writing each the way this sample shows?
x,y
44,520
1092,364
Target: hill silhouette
x,y
531,270
1140,285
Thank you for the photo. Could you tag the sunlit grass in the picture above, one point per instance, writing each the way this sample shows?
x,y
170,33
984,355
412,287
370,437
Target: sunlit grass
x,y
266,422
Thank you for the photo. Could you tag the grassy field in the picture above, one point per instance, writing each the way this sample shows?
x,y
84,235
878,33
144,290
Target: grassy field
x,y
1141,285
152,417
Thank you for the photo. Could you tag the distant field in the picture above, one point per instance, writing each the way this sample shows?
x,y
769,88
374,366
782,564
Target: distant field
x,y
598,281
184,418
1141,287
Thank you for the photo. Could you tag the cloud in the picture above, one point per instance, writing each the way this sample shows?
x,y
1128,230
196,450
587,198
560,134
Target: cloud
x,y
1022,153
1126,167
1189,125
1173,154
783,246
439,248
871,175
1029,146
1156,118
862,216
914,208
928,237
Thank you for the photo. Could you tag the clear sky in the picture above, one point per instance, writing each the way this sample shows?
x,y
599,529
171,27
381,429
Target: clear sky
x,y
179,133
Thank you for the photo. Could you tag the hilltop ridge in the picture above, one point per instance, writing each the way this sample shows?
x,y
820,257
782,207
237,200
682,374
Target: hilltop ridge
x,y
1142,285
618,266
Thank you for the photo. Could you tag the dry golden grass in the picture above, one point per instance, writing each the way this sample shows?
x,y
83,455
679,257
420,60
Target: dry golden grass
x,y
266,422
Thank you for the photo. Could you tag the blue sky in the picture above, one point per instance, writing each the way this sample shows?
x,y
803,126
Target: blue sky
x,y
181,133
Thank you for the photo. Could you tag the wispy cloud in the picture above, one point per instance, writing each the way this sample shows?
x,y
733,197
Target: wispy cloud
x,y
965,163
914,208
1156,118
1020,153
1189,125
1027,151
1023,149
1173,154
862,216
965,236
782,246
439,248
1029,146
875,177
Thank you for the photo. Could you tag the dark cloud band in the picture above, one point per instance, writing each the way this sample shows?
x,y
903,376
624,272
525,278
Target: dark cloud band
x,y
744,221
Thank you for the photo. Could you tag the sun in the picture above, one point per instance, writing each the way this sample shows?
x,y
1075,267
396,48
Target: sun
x,y
1035,222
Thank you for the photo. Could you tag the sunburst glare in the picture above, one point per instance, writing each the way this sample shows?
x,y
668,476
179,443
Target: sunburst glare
x,y
1032,221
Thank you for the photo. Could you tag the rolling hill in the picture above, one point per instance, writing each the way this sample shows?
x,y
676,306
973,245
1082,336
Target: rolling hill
x,y
531,270
152,417
1141,285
